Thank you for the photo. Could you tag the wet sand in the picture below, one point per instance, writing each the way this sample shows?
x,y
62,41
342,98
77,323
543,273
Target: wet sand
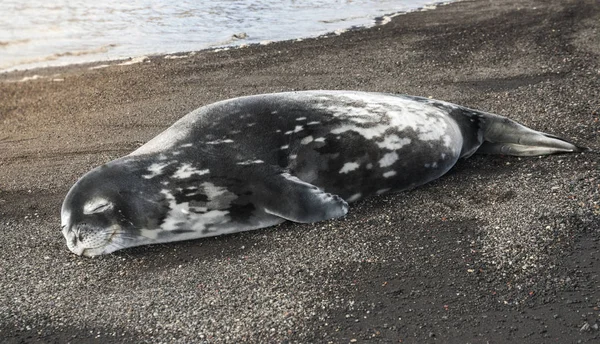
x,y
501,249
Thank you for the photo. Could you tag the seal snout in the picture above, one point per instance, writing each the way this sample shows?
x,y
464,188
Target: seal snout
x,y
89,241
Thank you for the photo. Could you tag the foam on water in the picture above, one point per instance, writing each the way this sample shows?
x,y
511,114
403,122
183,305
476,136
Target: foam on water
x,y
37,33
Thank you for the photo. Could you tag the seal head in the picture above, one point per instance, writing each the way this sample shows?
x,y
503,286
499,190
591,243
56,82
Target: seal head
x,y
101,212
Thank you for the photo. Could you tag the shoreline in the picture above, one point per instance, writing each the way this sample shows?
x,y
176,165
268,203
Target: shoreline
x,y
103,63
500,249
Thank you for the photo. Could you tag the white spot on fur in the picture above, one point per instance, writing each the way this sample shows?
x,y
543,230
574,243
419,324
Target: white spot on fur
x,y
306,140
298,128
250,162
186,171
155,170
288,132
388,159
313,123
393,142
218,196
389,174
293,156
213,215
447,141
217,142
354,197
433,130
186,145
181,213
400,113
285,147
151,234
381,191
278,130
320,139
349,167
178,212
197,209
301,119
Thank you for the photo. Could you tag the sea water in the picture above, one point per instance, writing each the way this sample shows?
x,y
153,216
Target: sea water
x,y
38,33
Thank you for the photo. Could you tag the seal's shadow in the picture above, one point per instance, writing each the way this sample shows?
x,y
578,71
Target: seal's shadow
x,y
230,246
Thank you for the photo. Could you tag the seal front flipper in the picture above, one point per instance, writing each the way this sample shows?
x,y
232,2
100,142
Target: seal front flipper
x,y
290,198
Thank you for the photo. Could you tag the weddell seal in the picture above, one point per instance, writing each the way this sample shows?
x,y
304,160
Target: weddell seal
x,y
256,161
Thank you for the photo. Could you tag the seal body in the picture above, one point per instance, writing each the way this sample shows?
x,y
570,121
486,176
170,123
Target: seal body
x,y
253,162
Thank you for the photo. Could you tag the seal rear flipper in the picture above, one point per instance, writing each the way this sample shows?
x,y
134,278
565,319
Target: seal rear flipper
x,y
293,199
522,150
504,136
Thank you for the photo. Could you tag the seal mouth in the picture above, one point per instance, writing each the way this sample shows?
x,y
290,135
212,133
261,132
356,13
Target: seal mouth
x,y
98,250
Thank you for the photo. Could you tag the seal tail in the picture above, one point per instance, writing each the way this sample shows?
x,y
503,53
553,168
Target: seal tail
x,y
504,136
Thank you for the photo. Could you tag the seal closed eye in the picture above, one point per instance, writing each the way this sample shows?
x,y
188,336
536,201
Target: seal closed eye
x,y
253,162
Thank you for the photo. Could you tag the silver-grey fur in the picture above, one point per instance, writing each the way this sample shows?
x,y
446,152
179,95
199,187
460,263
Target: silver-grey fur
x,y
253,162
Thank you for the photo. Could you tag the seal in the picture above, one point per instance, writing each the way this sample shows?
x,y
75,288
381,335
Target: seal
x,y
256,161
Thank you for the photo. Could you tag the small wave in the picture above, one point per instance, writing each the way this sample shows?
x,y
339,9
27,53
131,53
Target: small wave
x,y
340,20
15,42
134,60
56,56
233,39
99,50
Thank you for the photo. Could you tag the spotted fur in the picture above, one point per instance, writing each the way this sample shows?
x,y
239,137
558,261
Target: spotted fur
x,y
252,162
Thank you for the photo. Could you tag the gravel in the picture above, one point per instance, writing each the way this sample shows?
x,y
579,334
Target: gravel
x,y
501,249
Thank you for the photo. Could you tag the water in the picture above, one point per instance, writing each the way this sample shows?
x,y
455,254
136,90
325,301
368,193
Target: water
x,y
37,33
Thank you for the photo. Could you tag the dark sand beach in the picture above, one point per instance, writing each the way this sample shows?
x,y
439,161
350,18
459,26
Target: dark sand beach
x,y
502,249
